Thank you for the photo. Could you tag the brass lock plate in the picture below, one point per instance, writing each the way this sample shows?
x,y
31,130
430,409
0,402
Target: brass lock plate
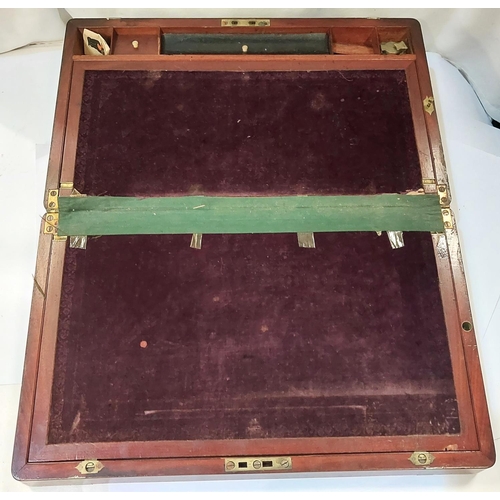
x,y
235,23
257,464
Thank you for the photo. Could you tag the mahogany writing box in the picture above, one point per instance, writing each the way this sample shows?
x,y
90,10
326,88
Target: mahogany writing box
x,y
248,263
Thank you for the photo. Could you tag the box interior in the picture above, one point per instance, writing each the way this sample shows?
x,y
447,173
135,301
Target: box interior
x,y
251,336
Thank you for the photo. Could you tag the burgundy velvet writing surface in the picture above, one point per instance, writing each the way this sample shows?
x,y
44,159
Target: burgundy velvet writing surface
x,y
251,337
155,133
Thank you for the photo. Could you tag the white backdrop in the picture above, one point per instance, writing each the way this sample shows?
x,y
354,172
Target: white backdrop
x,y
468,38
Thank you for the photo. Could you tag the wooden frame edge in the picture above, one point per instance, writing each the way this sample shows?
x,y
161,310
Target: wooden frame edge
x,y
309,464
469,341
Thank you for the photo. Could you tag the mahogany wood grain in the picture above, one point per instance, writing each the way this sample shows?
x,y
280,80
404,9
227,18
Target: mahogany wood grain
x,y
32,354
34,459
476,384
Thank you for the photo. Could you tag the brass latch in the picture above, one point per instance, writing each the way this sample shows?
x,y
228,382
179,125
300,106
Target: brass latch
x,y
89,467
233,23
421,458
254,464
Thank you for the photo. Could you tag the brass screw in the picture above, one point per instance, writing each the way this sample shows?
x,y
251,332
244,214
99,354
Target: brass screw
x,y
230,465
52,204
446,212
50,217
49,229
53,193
90,467
284,463
442,189
444,200
422,459
447,225
257,464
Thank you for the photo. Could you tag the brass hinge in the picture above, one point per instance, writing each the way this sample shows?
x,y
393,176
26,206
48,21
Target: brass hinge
x,y
89,467
421,458
234,23
444,201
429,105
254,464
52,216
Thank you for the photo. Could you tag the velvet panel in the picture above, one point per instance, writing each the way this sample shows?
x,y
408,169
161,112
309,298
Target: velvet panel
x,y
158,133
251,337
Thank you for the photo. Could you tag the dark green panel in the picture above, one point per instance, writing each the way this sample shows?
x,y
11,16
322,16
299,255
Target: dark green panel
x,y
271,43
294,214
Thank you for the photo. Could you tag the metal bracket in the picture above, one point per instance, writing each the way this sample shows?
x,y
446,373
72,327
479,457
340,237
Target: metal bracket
x,y
233,23
306,240
429,105
89,467
260,464
196,241
428,181
421,458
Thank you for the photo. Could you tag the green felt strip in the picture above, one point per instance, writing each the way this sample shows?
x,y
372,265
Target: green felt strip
x,y
103,215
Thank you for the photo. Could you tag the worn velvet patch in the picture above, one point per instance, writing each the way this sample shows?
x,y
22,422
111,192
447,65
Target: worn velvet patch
x,y
155,133
251,337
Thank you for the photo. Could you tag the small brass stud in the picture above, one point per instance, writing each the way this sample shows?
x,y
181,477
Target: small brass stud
x,y
135,44
244,48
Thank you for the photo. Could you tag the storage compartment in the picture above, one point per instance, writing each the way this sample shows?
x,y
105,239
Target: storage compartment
x,y
130,41
251,43
348,41
395,34
106,32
